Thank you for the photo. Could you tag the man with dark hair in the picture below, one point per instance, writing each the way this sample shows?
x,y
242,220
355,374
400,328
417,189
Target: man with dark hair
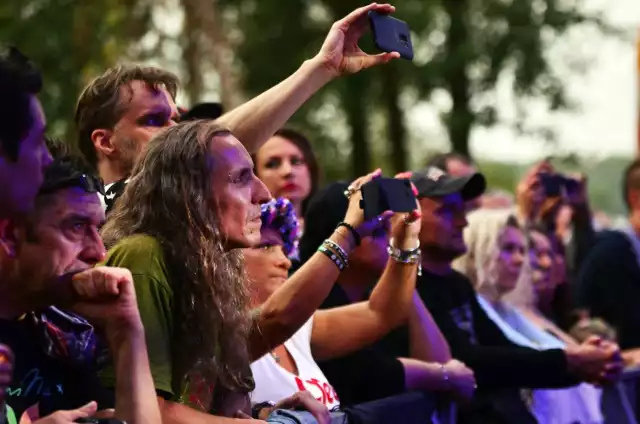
x,y
23,153
607,284
47,258
121,110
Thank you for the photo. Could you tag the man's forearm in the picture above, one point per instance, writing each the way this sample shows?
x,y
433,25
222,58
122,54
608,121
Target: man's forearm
x,y
425,338
136,401
258,119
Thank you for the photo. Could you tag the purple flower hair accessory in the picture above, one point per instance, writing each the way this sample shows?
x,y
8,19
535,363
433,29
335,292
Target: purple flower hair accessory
x,y
280,215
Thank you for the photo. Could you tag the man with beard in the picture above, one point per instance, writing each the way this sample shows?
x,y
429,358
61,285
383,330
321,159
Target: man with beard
x,y
122,109
501,368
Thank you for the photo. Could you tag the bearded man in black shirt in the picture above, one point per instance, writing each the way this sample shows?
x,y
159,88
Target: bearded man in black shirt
x,y
501,368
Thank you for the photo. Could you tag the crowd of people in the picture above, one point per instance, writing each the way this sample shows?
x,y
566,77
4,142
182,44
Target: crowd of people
x,y
187,267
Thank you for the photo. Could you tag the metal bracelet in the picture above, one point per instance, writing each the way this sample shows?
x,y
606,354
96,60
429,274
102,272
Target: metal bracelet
x,y
404,256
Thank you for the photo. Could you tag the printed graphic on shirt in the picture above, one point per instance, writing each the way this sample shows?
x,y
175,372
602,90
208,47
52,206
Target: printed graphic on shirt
x,y
24,396
463,317
322,391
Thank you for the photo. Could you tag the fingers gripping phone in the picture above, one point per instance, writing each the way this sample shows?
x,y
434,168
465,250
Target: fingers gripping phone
x,y
391,34
555,185
387,194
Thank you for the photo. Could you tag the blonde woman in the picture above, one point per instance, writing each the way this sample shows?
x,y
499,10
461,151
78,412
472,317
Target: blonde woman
x,y
496,260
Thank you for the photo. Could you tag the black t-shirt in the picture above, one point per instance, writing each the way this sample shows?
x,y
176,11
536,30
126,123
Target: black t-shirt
x,y
476,340
43,384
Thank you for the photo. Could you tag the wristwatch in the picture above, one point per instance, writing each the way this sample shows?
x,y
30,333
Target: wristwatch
x,y
256,408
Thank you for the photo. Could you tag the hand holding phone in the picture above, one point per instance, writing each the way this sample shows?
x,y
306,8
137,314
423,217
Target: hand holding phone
x,y
387,194
555,185
391,34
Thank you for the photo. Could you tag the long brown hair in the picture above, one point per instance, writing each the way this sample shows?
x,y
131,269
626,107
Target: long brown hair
x,y
170,197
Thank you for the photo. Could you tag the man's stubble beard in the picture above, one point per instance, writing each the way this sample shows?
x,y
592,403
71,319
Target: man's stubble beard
x,y
129,153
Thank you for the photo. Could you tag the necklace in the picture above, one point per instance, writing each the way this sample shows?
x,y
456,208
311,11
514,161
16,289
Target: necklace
x,y
275,356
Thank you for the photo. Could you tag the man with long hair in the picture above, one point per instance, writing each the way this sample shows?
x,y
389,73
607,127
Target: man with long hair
x,y
119,111
193,198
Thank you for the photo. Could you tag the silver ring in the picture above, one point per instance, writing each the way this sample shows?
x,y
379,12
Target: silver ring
x,y
350,191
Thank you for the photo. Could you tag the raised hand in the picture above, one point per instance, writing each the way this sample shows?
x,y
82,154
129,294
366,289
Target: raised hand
x,y
405,227
530,194
340,52
355,213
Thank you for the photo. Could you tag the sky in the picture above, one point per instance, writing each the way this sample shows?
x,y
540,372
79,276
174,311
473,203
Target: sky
x,y
606,120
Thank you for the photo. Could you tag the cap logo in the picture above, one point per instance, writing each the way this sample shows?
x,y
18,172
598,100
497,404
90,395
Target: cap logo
x,y
435,174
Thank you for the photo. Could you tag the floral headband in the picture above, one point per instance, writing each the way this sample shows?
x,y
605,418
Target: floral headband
x,y
279,215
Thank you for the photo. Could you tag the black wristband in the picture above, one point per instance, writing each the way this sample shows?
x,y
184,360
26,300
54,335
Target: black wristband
x,y
255,409
354,233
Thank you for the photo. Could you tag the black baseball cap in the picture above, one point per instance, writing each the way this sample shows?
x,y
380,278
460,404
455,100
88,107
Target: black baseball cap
x,y
434,182
203,111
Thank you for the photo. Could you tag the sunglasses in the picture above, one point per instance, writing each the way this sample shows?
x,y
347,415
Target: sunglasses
x,y
88,183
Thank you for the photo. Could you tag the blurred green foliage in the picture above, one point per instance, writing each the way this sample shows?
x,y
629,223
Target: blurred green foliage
x,y
463,48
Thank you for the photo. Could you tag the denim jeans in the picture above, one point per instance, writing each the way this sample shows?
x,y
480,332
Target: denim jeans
x,y
288,416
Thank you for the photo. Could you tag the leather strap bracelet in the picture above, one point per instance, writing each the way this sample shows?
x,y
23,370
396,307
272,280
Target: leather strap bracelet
x,y
335,258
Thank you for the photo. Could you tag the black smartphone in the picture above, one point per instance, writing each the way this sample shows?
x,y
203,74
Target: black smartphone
x,y
99,421
555,185
391,34
387,194
552,184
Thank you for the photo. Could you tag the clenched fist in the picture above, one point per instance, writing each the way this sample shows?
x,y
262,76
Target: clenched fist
x,y
106,297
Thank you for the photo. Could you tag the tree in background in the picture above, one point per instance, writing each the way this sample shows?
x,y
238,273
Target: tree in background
x,y
238,48
72,41
462,46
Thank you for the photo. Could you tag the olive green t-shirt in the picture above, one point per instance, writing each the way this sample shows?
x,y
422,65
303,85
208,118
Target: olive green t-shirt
x,y
144,257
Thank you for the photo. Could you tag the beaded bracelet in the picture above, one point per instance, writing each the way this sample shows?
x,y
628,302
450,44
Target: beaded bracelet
x,y
331,245
333,256
354,233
